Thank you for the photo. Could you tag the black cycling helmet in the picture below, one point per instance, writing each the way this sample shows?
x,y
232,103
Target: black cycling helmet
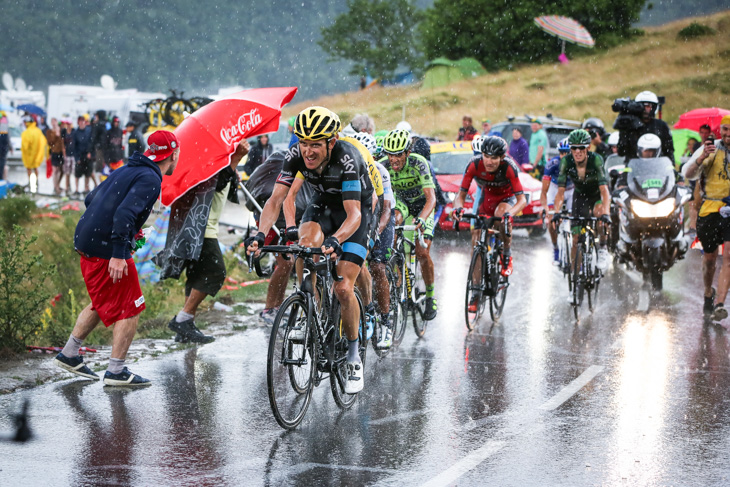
x,y
494,146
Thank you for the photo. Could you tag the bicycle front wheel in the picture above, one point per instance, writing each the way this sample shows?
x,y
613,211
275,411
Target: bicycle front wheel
x,y
475,296
291,362
498,297
592,279
399,295
578,280
419,301
338,376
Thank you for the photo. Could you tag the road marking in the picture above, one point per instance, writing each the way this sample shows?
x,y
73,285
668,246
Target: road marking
x,y
448,476
398,417
568,391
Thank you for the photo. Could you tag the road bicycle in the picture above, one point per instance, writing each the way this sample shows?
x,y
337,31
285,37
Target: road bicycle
x,y
308,343
410,287
586,276
396,309
485,280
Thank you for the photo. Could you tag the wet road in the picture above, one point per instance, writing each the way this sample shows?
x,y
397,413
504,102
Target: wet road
x,y
624,397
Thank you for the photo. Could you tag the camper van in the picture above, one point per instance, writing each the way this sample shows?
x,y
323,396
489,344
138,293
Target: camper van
x,y
75,100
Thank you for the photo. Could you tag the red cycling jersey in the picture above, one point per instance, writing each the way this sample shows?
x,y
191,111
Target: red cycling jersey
x,y
496,186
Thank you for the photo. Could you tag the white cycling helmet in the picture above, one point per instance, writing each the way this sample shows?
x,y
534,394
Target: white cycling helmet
x,y
367,140
647,97
476,144
613,138
404,126
649,142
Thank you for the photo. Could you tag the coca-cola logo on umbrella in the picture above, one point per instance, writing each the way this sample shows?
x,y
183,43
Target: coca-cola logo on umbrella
x,y
245,124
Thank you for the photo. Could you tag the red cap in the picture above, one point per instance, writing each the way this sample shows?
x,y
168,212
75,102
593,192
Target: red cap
x,y
160,145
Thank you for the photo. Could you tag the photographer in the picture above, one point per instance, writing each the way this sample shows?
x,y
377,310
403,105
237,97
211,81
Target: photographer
x,y
637,118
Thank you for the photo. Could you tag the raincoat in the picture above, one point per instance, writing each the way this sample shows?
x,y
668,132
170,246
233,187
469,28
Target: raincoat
x,y
33,146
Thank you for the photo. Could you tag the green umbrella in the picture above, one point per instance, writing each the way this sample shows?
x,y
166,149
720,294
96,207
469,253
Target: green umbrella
x,y
681,137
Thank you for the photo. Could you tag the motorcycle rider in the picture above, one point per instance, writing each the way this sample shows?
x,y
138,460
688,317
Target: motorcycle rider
x,y
649,125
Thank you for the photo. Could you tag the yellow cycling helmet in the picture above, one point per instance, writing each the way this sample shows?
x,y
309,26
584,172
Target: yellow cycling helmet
x,y
316,123
397,141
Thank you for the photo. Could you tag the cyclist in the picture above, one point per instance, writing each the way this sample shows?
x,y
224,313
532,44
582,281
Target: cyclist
x,y
413,186
590,197
498,176
550,189
382,241
339,212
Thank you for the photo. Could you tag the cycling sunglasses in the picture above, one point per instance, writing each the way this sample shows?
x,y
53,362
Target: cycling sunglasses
x,y
578,147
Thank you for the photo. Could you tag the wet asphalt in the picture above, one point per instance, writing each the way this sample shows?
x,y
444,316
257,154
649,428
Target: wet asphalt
x,y
625,396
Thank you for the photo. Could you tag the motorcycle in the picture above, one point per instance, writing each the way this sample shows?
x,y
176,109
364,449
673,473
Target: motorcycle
x,y
651,218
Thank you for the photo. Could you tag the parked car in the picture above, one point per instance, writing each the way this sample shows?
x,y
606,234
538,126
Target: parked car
x,y
15,156
449,160
556,128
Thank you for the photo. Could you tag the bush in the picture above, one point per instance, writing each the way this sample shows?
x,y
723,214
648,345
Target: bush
x,y
23,296
15,211
694,30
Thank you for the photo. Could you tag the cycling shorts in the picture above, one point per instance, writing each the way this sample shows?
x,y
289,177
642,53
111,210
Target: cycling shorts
x,y
567,197
409,214
354,249
583,206
489,205
379,252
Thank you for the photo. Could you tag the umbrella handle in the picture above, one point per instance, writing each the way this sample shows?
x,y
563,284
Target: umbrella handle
x,y
255,204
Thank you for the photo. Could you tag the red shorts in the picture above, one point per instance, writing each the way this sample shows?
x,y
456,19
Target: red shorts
x,y
112,301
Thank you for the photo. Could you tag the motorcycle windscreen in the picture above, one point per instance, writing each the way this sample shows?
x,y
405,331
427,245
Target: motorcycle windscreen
x,y
651,179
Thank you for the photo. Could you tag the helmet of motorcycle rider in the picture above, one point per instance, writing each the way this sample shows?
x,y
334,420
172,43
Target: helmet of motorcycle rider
x,y
494,146
367,140
579,137
476,144
613,139
595,124
403,125
649,146
564,146
648,97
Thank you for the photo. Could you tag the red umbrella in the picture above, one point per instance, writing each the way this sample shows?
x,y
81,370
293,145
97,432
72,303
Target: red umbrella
x,y
701,116
209,136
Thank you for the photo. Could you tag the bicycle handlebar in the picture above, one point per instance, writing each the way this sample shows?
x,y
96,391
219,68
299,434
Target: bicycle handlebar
x,y
298,250
413,228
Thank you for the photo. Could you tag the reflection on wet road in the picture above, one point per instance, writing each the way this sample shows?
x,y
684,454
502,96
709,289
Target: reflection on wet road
x,y
624,397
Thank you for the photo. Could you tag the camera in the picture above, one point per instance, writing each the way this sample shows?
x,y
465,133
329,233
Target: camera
x,y
629,114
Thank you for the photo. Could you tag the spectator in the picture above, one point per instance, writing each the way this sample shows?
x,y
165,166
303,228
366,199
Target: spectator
x,y
696,201
713,222
68,158
4,142
467,130
82,155
33,148
192,245
105,238
519,149
486,127
363,123
98,141
293,139
58,151
113,148
538,146
135,140
259,153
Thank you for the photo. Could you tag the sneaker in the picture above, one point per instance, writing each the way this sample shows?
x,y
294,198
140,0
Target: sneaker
x,y
556,256
189,331
75,365
602,260
719,313
125,378
181,339
268,315
506,267
355,380
709,305
474,305
431,309
385,337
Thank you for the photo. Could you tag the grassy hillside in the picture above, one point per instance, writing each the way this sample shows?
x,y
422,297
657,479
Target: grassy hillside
x,y
690,74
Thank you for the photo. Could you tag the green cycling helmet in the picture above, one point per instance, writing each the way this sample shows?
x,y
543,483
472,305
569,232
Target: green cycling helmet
x,y
579,137
397,141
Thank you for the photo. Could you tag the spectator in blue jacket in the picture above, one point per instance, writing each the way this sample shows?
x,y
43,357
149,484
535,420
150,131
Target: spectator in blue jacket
x,y
105,238
82,144
518,148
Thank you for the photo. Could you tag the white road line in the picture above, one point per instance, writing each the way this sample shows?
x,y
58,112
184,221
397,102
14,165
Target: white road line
x,y
568,391
448,476
398,417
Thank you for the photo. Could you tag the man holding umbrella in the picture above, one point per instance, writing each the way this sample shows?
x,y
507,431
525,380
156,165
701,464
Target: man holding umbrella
x,y
340,212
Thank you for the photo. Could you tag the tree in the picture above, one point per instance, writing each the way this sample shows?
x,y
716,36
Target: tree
x,y
500,33
378,36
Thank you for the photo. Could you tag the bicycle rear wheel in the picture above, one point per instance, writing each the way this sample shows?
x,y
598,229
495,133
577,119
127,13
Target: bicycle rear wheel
x,y
578,280
565,259
498,297
398,293
475,292
338,376
592,279
291,362
418,309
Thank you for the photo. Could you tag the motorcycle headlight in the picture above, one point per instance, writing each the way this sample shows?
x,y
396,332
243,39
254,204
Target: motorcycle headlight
x,y
657,210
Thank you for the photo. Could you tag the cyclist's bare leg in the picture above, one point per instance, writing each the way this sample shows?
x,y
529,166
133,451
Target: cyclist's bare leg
x,y
503,208
382,289
344,290
601,227
279,279
310,235
424,258
709,264
364,283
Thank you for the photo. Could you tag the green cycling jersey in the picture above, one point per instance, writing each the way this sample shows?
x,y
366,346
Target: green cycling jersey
x,y
408,183
595,174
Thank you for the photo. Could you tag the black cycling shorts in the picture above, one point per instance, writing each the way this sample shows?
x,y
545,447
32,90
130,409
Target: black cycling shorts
x,y
713,230
583,204
354,249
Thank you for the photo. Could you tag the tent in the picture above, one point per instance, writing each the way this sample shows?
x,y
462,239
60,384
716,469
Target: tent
x,y
442,71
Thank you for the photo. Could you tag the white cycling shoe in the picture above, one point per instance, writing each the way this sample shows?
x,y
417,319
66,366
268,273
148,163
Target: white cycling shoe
x,y
355,380
385,337
602,260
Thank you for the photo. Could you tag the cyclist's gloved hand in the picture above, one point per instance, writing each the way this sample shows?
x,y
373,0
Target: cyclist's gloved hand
x,y
457,213
605,219
506,217
419,221
292,234
334,244
259,239
556,218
